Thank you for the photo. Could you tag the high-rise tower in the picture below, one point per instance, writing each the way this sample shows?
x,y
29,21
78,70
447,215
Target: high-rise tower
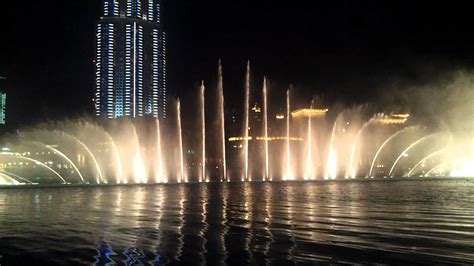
x,y
131,62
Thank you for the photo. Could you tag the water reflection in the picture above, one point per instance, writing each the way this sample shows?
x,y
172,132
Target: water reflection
x,y
248,223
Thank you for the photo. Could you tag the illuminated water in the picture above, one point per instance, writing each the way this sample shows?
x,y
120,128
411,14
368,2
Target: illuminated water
x,y
237,223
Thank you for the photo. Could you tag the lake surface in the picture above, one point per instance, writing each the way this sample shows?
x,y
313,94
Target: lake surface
x,y
277,223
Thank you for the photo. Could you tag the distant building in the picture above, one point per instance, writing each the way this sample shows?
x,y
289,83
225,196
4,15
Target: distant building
x,y
130,62
3,102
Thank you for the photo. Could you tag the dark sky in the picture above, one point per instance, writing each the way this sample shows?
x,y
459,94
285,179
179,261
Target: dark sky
x,y
344,50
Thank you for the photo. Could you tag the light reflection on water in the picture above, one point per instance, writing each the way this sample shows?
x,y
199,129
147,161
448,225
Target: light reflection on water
x,y
240,223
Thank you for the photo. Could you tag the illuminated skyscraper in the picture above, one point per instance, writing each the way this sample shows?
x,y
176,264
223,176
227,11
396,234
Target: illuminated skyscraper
x,y
131,62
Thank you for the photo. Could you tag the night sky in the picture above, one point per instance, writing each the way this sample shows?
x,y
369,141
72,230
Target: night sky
x,y
347,51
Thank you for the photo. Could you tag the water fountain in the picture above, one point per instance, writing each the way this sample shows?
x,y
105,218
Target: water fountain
x,y
289,145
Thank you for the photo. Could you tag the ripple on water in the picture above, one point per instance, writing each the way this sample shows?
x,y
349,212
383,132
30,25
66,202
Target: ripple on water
x,y
260,223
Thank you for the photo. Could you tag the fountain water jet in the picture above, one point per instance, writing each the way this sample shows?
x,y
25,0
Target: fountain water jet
x,y
62,155
409,148
401,131
203,132
138,166
220,91
288,170
4,177
309,155
352,169
181,177
443,164
429,156
331,167
15,176
94,160
245,176
265,128
36,162
159,175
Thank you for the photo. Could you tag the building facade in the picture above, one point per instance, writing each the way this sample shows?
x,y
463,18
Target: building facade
x,y
3,102
130,60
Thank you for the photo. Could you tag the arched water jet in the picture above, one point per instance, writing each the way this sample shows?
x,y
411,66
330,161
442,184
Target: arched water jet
x,y
62,155
68,160
202,98
385,143
265,127
16,176
245,175
4,177
352,170
95,129
429,156
36,162
407,149
181,177
443,164
220,91
84,146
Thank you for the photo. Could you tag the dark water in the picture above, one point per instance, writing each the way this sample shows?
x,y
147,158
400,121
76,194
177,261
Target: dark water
x,y
261,223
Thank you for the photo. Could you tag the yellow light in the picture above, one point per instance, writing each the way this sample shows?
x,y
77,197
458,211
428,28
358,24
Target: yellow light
x,y
239,138
269,138
394,119
309,113
401,115
280,117
256,109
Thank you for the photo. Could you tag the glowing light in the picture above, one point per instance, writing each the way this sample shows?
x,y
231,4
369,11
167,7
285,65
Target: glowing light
x,y
306,113
466,169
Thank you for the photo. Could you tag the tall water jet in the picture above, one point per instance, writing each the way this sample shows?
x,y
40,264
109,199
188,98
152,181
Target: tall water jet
x,y
331,164
220,91
181,176
246,124
288,172
404,152
159,176
138,166
309,153
352,169
385,143
265,127
203,131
